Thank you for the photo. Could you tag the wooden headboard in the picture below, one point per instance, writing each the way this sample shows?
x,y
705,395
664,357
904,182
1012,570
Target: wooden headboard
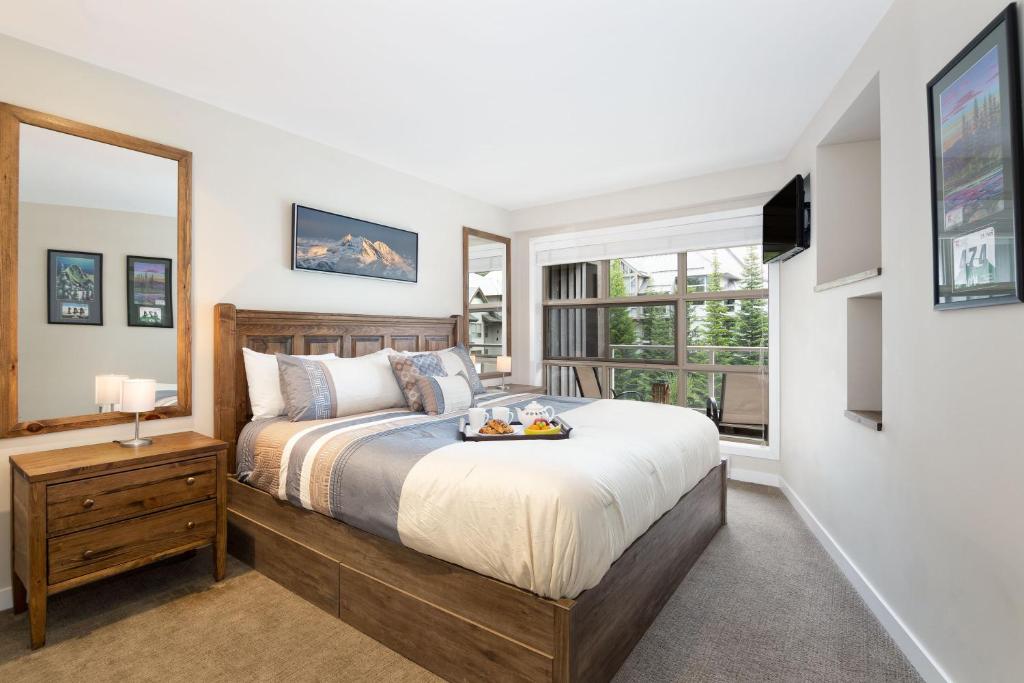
x,y
305,333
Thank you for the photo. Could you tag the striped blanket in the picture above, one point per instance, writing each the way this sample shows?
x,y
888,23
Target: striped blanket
x,y
547,516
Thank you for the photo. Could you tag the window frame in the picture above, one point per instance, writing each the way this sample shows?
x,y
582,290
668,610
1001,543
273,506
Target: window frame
x,y
681,366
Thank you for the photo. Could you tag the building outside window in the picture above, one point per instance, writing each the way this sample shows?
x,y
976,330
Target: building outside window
x,y
486,302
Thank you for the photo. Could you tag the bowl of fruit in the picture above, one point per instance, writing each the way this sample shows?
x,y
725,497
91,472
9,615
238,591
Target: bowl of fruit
x,y
542,426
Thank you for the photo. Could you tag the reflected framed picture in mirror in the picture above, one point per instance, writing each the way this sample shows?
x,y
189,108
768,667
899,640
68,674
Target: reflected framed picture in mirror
x,y
74,287
150,297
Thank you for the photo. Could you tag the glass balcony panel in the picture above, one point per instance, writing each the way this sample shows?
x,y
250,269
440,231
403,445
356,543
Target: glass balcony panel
x,y
645,385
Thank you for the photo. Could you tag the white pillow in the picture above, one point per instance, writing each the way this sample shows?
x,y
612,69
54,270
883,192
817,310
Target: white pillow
x,y
261,374
445,395
338,387
365,383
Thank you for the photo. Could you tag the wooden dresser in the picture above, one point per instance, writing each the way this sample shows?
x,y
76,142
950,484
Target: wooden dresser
x,y
82,514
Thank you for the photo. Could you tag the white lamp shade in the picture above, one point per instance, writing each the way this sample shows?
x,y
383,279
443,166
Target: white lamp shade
x,y
138,395
108,389
504,363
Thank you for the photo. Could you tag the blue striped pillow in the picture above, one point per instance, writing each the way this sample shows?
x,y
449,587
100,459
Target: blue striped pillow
x,y
444,395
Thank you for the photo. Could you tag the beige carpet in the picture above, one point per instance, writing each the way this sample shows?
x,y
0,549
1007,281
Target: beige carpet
x,y
764,603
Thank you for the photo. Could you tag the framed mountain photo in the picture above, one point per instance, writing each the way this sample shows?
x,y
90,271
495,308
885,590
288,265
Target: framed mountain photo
x,y
327,242
74,287
150,296
974,120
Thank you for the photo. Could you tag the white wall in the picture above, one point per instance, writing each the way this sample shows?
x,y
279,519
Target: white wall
x,y
245,177
929,510
57,364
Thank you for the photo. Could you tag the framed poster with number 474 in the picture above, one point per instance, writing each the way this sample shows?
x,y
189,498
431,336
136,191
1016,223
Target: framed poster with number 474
x,y
974,123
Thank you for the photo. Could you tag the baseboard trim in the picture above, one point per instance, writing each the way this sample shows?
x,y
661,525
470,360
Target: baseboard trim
x,y
905,640
6,598
754,476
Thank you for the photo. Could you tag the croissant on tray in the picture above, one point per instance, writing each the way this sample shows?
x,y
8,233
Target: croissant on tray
x,y
496,427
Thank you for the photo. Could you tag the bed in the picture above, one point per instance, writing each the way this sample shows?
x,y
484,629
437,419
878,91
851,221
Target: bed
x,y
462,585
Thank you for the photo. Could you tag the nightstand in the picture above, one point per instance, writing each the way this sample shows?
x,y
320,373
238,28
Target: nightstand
x,y
86,513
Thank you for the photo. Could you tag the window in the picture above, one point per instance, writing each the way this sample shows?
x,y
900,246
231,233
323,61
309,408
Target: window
x,y
638,337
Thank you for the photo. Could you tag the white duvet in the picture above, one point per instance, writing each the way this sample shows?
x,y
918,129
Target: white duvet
x,y
552,516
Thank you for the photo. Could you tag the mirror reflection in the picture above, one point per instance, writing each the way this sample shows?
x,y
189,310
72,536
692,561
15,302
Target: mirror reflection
x,y
486,296
97,233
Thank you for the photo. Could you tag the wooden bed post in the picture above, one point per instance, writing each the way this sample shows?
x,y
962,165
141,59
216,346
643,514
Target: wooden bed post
x,y
460,332
225,354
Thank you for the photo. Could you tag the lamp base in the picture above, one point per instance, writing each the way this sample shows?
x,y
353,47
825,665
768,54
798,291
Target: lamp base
x,y
135,443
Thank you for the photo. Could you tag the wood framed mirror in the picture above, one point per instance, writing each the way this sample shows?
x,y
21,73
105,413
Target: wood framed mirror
x,y
95,272
487,298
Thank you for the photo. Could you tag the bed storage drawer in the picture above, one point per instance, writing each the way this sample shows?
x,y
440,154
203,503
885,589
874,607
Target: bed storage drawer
x,y
84,552
89,502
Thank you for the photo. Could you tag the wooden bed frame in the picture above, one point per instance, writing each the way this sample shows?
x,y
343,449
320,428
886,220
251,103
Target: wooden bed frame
x,y
457,623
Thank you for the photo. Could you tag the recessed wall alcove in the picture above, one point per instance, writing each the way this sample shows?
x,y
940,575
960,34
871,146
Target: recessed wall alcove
x,y
847,195
864,360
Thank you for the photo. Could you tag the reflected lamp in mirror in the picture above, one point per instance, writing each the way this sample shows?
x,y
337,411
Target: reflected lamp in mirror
x,y
504,366
108,392
137,396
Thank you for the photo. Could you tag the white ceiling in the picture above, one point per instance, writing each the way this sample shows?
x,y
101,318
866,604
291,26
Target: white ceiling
x,y
515,102
63,169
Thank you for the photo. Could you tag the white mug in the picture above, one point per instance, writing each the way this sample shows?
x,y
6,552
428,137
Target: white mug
x,y
501,413
477,417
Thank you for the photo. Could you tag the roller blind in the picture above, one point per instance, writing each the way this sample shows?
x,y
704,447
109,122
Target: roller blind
x,y
733,228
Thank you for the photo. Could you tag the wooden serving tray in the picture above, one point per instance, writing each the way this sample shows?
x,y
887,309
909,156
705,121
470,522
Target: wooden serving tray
x,y
467,435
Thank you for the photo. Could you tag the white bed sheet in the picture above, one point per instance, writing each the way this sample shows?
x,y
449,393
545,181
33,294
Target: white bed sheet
x,y
552,516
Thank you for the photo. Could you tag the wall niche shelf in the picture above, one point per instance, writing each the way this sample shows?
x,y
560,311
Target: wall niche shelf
x,y
848,195
868,418
848,280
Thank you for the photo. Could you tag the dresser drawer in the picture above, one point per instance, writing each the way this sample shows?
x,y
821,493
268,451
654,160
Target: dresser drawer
x,y
97,500
84,552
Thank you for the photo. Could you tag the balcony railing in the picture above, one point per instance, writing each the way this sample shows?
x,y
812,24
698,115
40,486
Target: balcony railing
x,y
714,353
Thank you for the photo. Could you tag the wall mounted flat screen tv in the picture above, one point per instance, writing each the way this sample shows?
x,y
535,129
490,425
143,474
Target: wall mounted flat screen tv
x,y
328,242
786,223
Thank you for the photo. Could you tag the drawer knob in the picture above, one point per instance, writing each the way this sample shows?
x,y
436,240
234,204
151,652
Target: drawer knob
x,y
87,555
88,503
190,525
190,481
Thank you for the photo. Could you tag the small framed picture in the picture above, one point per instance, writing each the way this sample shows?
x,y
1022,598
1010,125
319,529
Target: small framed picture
x,y
974,119
150,292
74,287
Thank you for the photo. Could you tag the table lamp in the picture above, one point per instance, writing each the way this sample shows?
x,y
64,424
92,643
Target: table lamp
x,y
503,365
137,396
108,391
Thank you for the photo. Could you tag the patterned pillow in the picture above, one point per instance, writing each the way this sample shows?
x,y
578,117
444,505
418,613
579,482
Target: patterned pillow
x,y
445,395
408,368
455,360
475,385
336,387
307,388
